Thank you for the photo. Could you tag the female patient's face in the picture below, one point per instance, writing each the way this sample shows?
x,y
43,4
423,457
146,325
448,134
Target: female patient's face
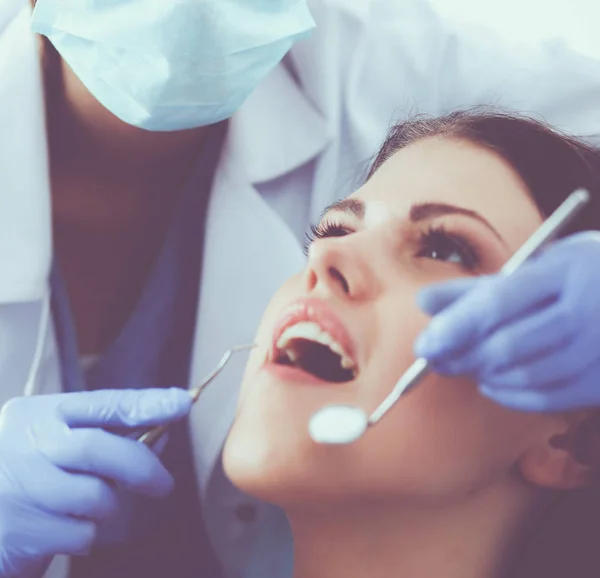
x,y
438,209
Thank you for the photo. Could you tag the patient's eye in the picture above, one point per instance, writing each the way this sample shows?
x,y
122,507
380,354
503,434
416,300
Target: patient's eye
x,y
436,243
326,228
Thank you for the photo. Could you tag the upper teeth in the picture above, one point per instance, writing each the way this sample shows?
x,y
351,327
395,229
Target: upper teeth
x,y
313,332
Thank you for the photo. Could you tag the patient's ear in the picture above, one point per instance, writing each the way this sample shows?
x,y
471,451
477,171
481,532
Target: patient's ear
x,y
568,460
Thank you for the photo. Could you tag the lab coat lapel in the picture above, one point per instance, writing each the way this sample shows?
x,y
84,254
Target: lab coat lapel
x,y
25,217
25,239
249,249
247,256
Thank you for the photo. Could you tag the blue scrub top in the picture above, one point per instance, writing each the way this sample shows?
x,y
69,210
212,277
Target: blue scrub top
x,y
153,538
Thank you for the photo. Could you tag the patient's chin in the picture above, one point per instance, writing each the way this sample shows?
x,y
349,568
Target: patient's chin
x,y
262,464
285,469
269,453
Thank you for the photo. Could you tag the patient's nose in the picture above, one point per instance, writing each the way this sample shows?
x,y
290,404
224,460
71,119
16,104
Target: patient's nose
x,y
337,266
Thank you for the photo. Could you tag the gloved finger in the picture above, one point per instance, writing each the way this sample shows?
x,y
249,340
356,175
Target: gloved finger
x,y
124,408
94,451
490,304
521,400
71,494
25,568
434,298
565,364
556,397
90,498
71,536
539,335
50,535
576,242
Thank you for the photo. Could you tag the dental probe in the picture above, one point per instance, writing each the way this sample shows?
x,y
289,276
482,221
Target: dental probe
x,y
345,424
151,436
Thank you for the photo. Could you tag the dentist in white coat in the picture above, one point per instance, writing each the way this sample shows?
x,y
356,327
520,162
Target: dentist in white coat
x,y
141,236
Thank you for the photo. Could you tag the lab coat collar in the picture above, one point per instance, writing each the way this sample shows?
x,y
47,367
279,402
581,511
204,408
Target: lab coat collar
x,y
25,222
277,130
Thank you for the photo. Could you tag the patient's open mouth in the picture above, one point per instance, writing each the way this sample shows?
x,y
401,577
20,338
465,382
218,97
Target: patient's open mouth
x,y
307,346
310,339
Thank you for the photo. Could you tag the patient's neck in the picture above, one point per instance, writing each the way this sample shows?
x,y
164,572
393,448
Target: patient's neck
x,y
473,537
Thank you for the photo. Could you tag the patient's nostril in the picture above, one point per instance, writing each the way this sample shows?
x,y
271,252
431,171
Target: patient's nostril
x,y
340,279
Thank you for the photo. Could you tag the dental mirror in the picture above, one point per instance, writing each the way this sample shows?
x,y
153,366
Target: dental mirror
x,y
338,424
345,424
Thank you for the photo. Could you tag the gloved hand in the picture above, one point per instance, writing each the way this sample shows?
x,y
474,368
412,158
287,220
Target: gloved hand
x,y
59,469
531,340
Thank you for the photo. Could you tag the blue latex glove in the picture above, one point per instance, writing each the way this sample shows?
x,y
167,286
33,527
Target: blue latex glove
x,y
59,469
531,340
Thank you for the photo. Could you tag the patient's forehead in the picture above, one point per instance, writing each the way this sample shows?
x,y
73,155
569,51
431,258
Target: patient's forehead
x,y
458,172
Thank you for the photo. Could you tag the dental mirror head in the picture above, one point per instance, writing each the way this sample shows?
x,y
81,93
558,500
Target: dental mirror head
x,y
338,424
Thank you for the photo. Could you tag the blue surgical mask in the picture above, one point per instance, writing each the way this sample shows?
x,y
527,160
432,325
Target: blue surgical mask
x,y
166,65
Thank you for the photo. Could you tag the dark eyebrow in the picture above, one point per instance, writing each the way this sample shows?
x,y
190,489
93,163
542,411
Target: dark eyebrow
x,y
419,212
425,211
353,206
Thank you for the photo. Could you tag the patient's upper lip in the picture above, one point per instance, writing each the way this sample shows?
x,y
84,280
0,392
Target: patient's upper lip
x,y
319,312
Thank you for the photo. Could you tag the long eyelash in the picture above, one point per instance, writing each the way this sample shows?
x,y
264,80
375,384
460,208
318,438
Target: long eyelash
x,y
326,228
435,234
439,234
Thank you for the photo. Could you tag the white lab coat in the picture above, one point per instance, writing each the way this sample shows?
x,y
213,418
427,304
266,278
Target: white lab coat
x,y
303,139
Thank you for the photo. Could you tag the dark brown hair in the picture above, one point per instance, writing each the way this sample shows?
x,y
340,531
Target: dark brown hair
x,y
552,164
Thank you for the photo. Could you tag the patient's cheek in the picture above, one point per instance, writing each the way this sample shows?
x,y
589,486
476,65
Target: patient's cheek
x,y
289,292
